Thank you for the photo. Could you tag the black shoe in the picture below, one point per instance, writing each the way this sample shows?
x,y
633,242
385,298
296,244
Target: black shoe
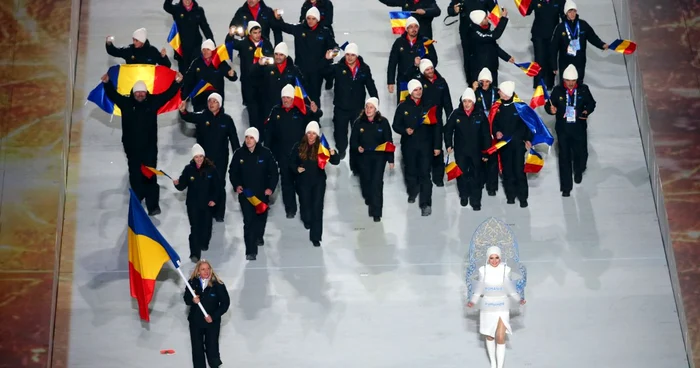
x,y
578,177
464,202
492,193
510,201
377,219
342,154
307,225
316,243
291,215
476,208
426,211
205,248
250,257
154,212
566,194
260,242
439,184
219,219
329,86
412,199
194,259
523,204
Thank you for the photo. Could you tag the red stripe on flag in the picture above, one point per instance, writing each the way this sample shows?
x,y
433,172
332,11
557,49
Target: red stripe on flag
x,y
162,79
142,291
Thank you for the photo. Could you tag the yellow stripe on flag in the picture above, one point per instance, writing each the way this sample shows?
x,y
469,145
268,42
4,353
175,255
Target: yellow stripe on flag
x,y
398,23
146,255
130,74
254,201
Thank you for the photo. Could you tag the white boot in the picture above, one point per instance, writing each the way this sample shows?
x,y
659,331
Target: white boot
x,y
491,349
500,354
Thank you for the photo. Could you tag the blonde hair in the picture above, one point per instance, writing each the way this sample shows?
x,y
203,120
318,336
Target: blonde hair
x,y
212,278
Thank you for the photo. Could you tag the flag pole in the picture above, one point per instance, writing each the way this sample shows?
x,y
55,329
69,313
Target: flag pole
x,y
187,284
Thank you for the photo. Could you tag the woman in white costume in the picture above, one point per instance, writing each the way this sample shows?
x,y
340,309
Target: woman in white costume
x,y
497,287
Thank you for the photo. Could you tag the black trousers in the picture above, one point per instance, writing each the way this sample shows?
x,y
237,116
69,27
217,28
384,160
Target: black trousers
x,y
542,47
438,168
200,229
342,120
253,225
578,62
255,108
514,177
188,55
470,183
491,173
287,182
466,54
205,341
221,164
417,164
312,84
311,196
371,165
143,187
573,154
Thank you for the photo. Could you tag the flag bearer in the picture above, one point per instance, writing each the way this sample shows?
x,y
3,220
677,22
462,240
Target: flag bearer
x,y
406,54
311,180
189,18
485,49
572,104
370,132
203,69
200,178
215,132
253,171
140,51
486,94
467,135
424,11
548,14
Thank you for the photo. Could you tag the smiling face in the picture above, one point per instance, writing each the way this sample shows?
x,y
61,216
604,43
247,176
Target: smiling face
x,y
311,137
467,104
204,270
417,93
494,260
412,30
198,160
252,3
207,53
137,44
370,110
140,96
311,21
213,105
255,34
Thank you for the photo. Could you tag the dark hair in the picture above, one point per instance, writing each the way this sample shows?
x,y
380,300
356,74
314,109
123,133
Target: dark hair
x,y
307,151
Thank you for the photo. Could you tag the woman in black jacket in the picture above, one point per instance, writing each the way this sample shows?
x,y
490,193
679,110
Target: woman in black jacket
x,y
204,330
311,179
200,178
371,137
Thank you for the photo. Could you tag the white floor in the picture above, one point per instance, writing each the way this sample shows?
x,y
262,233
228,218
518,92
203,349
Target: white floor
x,y
388,294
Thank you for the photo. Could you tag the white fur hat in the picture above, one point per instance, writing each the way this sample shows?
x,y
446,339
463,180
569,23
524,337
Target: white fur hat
x,y
413,84
253,133
208,44
282,48
424,65
197,150
313,127
373,101
570,73
507,87
140,86
477,16
493,251
252,24
569,5
215,96
288,91
140,35
352,48
485,74
469,95
313,12
412,20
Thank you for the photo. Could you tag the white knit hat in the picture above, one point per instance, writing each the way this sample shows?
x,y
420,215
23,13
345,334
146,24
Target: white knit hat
x,y
197,150
570,73
215,96
313,12
288,91
374,102
477,16
252,24
140,86
352,48
485,74
424,65
209,44
469,95
282,48
569,5
413,84
507,87
313,127
253,133
412,20
140,35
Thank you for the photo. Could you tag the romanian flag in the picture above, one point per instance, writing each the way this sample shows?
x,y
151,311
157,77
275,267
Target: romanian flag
x,y
221,54
540,97
495,14
157,78
324,152
522,6
343,46
531,68
423,50
452,170
200,88
398,22
498,145
385,147
430,117
174,39
260,206
403,91
148,251
623,46
530,118
258,54
149,172
533,162
300,97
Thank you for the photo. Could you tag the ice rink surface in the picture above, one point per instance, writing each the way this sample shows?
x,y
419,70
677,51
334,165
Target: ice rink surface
x,y
386,294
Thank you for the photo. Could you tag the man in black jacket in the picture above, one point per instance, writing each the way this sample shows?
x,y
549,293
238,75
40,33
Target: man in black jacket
x,y
203,69
485,49
258,11
215,132
508,123
325,10
140,51
422,10
406,54
253,172
140,134
462,8
420,143
190,18
486,94
548,14
572,104
352,76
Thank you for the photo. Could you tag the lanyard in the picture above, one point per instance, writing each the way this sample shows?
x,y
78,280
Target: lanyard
x,y
569,33
569,101
483,100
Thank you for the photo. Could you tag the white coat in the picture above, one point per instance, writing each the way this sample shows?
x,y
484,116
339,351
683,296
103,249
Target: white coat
x,y
496,288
